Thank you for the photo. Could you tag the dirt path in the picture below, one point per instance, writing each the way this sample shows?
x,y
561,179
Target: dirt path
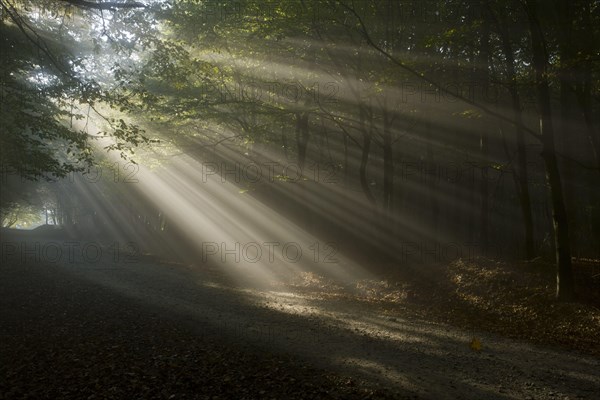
x,y
411,357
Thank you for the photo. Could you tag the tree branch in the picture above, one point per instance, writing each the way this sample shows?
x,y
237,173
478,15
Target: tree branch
x,y
438,86
109,5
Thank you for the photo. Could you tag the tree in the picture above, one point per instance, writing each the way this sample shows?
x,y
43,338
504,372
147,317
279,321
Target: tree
x,y
46,87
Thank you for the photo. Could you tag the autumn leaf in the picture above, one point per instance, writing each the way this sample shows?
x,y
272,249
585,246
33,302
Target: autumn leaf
x,y
475,344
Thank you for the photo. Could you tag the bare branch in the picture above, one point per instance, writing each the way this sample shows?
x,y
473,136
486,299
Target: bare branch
x,y
363,30
108,5
37,41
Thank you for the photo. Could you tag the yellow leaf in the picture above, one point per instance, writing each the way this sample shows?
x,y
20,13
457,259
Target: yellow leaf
x,y
475,344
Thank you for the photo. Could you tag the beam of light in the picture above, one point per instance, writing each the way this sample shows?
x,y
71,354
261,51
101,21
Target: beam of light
x,y
248,240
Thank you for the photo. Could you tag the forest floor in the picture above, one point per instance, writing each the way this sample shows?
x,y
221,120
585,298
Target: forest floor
x,y
151,329
515,300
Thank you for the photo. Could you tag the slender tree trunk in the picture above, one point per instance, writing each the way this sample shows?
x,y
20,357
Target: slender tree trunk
x,y
431,182
346,172
592,136
284,143
582,72
566,76
302,137
388,163
522,178
564,276
364,159
584,97
484,54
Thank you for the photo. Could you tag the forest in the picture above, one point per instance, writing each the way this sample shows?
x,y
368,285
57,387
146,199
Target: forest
x,y
427,160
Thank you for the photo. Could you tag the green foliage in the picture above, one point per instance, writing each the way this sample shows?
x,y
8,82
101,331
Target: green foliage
x,y
48,77
35,113
22,215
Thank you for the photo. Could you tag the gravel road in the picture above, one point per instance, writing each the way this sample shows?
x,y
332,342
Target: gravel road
x,y
408,357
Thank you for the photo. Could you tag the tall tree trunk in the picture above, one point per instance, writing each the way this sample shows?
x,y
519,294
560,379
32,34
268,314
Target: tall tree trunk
x,y
346,172
564,275
284,143
431,182
388,162
565,75
483,61
366,150
521,178
584,98
302,137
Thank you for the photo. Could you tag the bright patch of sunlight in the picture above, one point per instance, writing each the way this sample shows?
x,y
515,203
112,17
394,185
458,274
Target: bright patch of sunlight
x,y
380,369
41,78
